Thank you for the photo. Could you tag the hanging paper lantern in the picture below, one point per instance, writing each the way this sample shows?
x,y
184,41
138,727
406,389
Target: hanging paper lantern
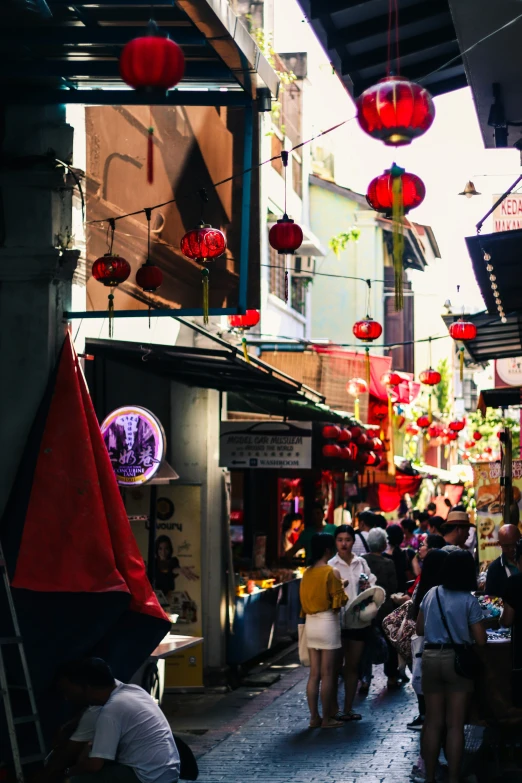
x,y
346,452
356,386
457,425
411,429
376,444
285,236
451,435
463,330
435,431
362,440
246,321
469,444
111,270
423,422
367,330
152,61
395,111
345,436
488,450
478,436
391,379
332,451
373,459
356,431
429,377
149,277
331,432
382,191
204,244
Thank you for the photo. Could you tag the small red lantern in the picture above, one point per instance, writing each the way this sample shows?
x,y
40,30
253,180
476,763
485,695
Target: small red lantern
x,y
391,379
149,277
204,244
362,440
411,429
285,236
356,431
463,330
245,321
332,451
382,191
111,270
457,425
488,450
395,111
373,459
451,435
356,387
469,444
477,436
152,61
423,422
367,330
346,453
331,432
434,431
345,436
377,444
429,377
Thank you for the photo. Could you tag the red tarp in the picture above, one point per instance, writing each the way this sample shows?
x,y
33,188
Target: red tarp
x,y
378,366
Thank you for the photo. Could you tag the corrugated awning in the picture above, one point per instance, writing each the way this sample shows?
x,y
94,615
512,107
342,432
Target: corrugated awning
x,y
494,340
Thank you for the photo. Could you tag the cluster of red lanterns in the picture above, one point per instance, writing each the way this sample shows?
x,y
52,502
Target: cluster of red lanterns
x,y
351,444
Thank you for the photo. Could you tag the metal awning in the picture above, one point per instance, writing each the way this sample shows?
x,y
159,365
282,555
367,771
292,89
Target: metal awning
x,y
71,55
220,367
508,397
294,410
354,34
494,339
505,249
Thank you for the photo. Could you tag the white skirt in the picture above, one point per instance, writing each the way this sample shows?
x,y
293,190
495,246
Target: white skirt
x,y
323,631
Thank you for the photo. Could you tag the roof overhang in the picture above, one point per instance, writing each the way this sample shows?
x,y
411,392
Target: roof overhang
x,y
72,56
505,249
354,35
508,397
494,340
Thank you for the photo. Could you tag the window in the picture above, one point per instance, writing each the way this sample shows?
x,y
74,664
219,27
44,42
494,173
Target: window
x,y
277,274
298,300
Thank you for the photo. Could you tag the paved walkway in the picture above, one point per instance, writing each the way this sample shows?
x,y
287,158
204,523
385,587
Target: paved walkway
x,y
275,744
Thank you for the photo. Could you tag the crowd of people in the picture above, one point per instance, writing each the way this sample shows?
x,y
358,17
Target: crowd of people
x,y
403,595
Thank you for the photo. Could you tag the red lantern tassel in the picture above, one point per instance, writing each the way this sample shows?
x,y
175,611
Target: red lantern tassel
x,y
367,366
286,286
245,349
111,315
356,409
150,156
430,415
461,364
204,277
391,452
398,234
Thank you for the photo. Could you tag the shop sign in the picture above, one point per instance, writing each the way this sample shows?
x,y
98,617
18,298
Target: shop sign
x,y
508,215
508,372
488,497
254,444
136,443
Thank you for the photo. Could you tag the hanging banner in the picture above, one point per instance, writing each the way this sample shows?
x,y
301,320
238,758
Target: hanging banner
x,y
489,520
135,441
178,568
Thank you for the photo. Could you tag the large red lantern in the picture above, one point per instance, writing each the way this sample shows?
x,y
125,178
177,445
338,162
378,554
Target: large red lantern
x,y
111,270
382,191
204,244
457,425
245,321
423,422
395,111
367,330
429,377
285,236
152,62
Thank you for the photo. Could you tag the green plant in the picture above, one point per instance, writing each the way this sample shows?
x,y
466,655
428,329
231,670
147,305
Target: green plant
x,y
441,390
339,242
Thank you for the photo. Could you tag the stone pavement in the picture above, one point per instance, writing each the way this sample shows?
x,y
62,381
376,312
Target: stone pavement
x,y
269,740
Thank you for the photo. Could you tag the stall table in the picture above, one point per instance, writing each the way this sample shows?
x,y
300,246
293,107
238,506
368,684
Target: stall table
x,y
151,675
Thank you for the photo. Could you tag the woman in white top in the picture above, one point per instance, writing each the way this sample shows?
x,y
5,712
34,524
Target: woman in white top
x,y
351,568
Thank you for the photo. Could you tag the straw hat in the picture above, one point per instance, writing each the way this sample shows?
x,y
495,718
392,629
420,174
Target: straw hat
x,y
458,517
360,612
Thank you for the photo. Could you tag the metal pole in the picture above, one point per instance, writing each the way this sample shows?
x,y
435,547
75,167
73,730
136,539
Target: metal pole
x,y
245,209
497,202
151,556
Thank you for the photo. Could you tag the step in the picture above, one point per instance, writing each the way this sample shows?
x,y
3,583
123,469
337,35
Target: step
x,y
33,759
25,719
10,640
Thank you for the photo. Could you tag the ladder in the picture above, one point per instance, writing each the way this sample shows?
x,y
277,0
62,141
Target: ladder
x,y
12,720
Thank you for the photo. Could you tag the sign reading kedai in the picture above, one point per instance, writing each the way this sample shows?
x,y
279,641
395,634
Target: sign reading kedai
x,y
267,444
508,215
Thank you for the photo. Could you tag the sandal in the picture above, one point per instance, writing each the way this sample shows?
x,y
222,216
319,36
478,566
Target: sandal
x,y
315,723
347,716
332,724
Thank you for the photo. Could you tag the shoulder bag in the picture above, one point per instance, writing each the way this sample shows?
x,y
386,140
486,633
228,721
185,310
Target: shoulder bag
x,y
364,541
399,629
466,662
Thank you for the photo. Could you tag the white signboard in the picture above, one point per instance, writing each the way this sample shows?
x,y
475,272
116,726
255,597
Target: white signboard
x,y
510,371
508,215
267,444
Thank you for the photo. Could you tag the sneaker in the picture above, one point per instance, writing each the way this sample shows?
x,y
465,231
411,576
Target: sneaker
x,y
416,724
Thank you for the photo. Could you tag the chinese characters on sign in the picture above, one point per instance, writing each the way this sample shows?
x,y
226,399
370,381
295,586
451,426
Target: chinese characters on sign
x,y
135,441
249,444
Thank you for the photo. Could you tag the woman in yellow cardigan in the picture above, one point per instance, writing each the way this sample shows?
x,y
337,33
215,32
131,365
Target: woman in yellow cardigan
x,y
322,595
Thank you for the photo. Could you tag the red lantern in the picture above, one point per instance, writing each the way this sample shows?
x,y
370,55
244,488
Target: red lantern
x,y
429,377
362,440
411,429
149,277
367,330
373,459
488,450
477,436
285,236
457,425
382,191
356,387
434,431
345,436
451,435
395,111
391,379
203,244
152,62
423,422
469,444
245,321
356,431
377,444
463,330
331,432
332,451
111,270
346,453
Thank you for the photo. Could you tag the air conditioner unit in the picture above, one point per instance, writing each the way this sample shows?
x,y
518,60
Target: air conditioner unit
x,y
303,266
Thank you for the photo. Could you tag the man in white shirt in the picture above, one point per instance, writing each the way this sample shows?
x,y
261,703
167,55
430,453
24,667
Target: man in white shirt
x,y
132,741
367,521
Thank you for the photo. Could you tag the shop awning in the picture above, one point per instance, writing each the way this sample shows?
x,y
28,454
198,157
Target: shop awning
x,y
494,339
505,249
508,397
295,410
70,53
220,366
355,36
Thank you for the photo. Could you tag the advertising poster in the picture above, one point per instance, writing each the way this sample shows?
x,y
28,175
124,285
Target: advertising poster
x,y
488,497
178,568
135,441
254,444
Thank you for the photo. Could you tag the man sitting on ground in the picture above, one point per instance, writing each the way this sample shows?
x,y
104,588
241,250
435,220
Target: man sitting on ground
x,y
132,741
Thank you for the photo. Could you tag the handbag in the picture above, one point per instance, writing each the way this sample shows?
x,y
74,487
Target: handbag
x,y
399,629
304,655
466,662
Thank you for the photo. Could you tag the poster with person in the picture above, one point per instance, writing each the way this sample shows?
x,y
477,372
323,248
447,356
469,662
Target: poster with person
x,y
489,500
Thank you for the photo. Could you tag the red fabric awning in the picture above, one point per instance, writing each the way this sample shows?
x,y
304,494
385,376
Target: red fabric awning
x,y
378,366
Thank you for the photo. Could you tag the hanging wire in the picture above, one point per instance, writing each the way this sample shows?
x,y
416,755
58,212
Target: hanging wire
x,y
111,228
148,214
368,296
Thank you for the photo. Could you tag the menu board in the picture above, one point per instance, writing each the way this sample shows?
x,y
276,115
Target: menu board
x,y
489,497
